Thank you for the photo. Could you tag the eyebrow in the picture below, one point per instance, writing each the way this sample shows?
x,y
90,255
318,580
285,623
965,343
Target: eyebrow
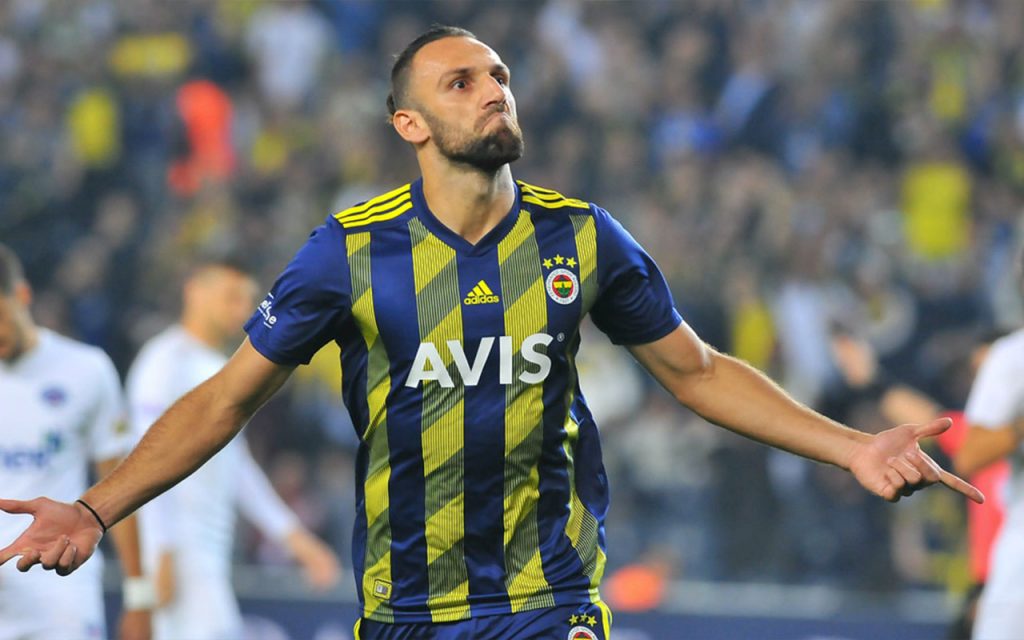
x,y
461,71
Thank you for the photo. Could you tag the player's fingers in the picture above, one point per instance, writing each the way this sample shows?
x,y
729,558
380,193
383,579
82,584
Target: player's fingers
x,y
958,484
19,506
896,482
28,558
67,560
9,551
905,469
49,558
924,465
933,428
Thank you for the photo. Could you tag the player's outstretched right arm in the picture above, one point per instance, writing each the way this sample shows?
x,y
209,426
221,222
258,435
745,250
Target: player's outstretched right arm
x,y
197,426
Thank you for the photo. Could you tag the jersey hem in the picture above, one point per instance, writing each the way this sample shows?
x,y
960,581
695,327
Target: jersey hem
x,y
479,610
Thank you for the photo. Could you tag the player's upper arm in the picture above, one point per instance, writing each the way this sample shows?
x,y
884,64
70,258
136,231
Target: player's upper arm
x,y
634,304
248,379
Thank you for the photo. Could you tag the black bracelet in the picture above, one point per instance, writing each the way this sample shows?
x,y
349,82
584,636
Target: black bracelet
x,y
94,514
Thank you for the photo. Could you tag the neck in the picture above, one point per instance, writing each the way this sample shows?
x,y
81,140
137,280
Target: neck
x,y
468,201
201,332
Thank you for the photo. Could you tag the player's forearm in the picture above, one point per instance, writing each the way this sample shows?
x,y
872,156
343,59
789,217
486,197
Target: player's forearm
x,y
736,396
187,435
126,534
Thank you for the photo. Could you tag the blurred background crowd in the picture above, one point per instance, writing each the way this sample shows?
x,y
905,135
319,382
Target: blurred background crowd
x,y
809,174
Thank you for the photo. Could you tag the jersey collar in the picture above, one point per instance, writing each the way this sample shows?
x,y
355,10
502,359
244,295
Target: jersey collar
x,y
454,240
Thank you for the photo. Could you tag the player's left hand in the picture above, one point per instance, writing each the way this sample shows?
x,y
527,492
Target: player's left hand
x,y
61,537
892,465
136,625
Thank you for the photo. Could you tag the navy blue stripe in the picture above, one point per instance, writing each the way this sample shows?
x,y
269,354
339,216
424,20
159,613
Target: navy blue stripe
x,y
562,566
485,442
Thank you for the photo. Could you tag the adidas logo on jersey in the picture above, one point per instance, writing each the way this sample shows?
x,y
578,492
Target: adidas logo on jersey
x,y
481,294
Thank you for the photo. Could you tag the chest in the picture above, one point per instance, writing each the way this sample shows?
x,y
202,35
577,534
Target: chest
x,y
42,418
472,311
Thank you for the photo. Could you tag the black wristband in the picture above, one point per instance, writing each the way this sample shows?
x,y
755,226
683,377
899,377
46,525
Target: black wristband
x,y
94,514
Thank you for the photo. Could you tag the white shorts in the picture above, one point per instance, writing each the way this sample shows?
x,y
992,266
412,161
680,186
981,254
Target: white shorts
x,y
204,608
40,605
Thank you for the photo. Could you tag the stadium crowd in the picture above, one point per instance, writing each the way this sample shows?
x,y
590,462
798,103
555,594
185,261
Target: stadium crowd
x,y
800,169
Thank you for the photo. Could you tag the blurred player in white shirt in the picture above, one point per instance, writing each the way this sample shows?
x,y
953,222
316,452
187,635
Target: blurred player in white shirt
x,y
189,531
60,409
995,412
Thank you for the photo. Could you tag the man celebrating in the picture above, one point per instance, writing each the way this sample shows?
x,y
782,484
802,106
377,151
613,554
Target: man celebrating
x,y
457,301
189,531
61,409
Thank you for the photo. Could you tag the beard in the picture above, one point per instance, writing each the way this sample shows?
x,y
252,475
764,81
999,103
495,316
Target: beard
x,y
487,152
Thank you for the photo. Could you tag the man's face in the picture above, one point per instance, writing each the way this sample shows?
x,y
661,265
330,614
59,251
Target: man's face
x,y
461,88
15,325
225,298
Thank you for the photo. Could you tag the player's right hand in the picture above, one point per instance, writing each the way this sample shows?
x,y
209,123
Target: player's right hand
x,y
61,537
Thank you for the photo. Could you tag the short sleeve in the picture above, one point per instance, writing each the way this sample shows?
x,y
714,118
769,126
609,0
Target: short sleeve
x,y
308,303
634,304
109,435
998,390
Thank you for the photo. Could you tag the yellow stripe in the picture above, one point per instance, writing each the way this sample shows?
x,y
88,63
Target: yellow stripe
x,y
606,615
487,290
548,198
578,204
355,629
448,518
442,436
375,488
586,251
524,585
379,218
372,202
525,312
380,208
452,606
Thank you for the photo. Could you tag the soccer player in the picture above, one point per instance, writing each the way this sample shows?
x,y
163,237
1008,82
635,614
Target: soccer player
x,y
60,409
457,301
995,413
188,531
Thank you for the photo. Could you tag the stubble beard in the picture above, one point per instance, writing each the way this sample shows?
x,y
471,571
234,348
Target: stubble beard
x,y
488,152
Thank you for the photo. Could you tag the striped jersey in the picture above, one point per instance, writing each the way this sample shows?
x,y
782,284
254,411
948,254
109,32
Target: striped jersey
x,y
480,486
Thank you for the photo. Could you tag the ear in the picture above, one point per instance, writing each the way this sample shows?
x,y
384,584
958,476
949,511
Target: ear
x,y
23,293
410,126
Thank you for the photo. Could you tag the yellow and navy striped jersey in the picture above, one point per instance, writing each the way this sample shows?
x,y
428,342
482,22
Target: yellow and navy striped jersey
x,y
480,486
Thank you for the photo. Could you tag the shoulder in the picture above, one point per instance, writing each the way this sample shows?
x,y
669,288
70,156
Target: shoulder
x,y
72,354
375,212
548,200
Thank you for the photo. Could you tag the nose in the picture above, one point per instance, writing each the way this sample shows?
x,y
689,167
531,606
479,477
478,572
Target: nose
x,y
496,93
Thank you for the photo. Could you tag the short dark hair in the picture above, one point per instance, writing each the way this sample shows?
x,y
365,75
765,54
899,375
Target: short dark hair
x,y
400,70
11,271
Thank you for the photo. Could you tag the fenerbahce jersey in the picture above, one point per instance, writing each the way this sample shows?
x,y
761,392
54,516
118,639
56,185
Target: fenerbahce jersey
x,y
480,487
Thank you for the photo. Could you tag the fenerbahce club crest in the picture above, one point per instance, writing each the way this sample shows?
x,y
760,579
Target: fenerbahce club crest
x,y
562,286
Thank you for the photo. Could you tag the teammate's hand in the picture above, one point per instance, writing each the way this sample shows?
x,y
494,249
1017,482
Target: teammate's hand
x,y
892,465
319,563
61,537
136,625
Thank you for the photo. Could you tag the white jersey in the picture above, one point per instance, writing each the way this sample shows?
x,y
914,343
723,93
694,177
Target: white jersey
x,y
198,515
61,410
996,401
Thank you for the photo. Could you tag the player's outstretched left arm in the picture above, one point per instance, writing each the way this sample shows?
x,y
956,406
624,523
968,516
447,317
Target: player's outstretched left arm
x,y
732,394
197,426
